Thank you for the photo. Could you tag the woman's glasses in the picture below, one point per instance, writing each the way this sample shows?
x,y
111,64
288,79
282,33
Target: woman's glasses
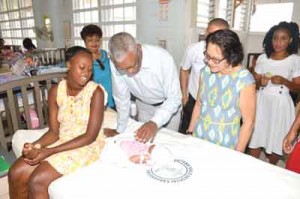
x,y
208,58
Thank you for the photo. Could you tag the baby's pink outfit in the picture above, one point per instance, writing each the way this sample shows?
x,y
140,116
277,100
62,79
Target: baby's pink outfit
x,y
132,147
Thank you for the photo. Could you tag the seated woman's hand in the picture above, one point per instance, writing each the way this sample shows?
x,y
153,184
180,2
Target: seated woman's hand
x,y
30,151
42,155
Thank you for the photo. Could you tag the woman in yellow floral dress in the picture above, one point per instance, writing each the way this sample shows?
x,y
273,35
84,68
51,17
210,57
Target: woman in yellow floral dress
x,y
74,138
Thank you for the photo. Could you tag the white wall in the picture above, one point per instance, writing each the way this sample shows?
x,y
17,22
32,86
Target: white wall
x,y
150,29
254,40
58,11
178,31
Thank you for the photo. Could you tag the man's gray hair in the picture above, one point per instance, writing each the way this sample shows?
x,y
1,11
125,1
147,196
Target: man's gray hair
x,y
120,44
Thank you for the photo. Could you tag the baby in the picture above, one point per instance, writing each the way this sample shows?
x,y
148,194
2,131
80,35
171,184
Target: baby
x,y
137,152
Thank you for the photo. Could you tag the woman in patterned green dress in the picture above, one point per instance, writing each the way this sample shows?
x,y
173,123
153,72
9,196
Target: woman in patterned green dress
x,y
226,94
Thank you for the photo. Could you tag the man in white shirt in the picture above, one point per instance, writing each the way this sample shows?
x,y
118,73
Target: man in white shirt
x,y
191,65
150,75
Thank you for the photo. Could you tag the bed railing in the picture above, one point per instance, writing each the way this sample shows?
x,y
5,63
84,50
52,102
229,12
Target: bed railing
x,y
20,98
51,56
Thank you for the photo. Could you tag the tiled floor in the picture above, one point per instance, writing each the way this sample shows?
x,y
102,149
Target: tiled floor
x,y
3,188
281,162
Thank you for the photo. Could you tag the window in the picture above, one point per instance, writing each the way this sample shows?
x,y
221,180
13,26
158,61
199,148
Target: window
x,y
209,9
205,12
112,16
240,15
222,12
16,21
263,17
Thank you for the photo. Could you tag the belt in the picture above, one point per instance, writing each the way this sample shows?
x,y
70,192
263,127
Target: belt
x,y
157,104
218,123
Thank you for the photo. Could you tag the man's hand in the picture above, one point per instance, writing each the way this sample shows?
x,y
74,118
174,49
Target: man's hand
x,y
146,132
110,132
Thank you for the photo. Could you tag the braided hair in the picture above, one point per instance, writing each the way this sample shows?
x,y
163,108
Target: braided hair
x,y
293,31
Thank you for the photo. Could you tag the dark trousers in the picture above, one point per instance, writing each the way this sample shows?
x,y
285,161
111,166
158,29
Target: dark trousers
x,y
187,112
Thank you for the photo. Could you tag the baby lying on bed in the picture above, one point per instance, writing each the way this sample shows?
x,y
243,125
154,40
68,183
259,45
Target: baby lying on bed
x,y
123,149
137,152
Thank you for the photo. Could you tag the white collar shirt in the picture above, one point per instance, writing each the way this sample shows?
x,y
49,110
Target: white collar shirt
x,y
156,82
193,59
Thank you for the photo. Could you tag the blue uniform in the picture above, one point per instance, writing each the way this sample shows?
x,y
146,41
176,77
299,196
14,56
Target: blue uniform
x,y
103,77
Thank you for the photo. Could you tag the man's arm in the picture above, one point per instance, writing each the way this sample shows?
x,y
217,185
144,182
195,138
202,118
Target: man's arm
x,y
172,92
184,76
121,95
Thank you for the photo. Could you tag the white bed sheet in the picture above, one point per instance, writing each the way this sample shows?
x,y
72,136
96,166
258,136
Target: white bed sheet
x,y
217,173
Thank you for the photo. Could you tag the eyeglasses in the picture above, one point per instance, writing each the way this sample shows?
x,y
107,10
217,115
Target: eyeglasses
x,y
207,58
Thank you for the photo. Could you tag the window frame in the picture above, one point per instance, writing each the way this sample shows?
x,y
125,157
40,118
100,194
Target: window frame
x,y
16,29
104,5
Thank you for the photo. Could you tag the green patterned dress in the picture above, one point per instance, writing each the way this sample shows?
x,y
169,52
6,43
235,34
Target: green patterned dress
x,y
219,118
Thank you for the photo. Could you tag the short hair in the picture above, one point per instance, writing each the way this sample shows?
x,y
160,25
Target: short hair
x,y
219,22
91,30
1,42
293,31
120,44
27,43
74,50
230,45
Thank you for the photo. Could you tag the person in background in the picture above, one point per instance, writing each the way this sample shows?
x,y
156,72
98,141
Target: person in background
x,y
293,161
191,65
277,72
92,35
226,94
28,46
2,42
2,57
74,139
149,74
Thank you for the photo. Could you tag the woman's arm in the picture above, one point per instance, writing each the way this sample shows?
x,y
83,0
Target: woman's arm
x,y
52,135
195,115
184,76
293,85
291,136
261,80
93,126
248,109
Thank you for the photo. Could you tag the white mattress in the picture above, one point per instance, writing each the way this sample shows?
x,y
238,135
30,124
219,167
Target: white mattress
x,y
211,172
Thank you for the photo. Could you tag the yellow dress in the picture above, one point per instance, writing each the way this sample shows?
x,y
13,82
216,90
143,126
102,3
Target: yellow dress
x,y
73,116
